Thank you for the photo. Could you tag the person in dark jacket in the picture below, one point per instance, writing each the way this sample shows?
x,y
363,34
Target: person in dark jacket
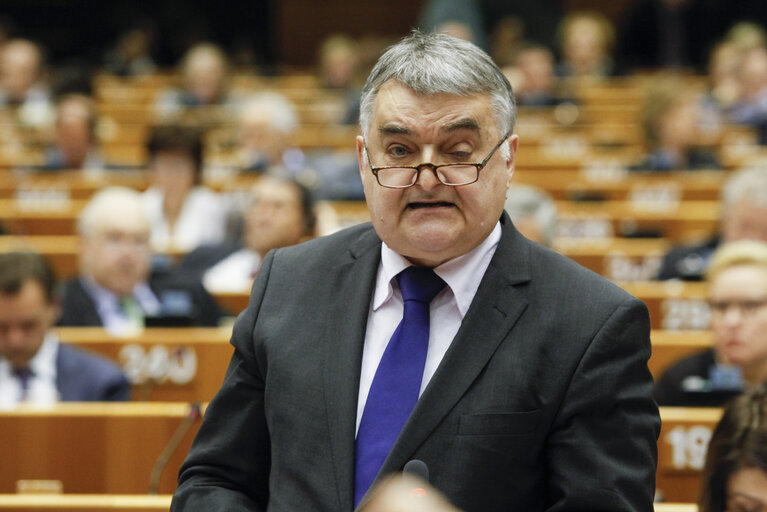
x,y
35,366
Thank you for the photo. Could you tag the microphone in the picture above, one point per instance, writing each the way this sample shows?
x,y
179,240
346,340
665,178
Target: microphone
x,y
419,469
194,414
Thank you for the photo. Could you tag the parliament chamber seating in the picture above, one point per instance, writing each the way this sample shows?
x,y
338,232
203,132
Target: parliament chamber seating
x,y
164,364
95,448
88,503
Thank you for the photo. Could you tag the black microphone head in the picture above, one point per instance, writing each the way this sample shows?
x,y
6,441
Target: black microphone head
x,y
417,468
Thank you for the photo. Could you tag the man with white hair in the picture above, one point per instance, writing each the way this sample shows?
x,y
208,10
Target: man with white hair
x,y
115,288
437,333
267,124
743,217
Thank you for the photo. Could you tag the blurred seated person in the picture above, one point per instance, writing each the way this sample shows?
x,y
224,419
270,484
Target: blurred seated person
x,y
338,67
268,121
735,472
743,216
406,493
115,288
751,106
131,55
281,214
533,212
586,41
22,83
737,293
670,121
75,145
35,366
533,79
725,63
183,213
205,74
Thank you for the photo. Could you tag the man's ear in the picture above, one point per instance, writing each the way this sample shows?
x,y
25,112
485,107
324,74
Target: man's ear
x,y
513,142
361,159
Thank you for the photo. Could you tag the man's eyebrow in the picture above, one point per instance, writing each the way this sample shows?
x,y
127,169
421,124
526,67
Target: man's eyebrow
x,y
394,129
467,123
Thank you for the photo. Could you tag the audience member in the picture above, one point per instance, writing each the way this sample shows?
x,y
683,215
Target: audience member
x,y
131,55
743,216
35,366
723,81
735,472
670,121
751,106
533,78
183,213
22,83
533,212
205,73
115,289
507,38
339,62
282,214
737,292
268,121
586,41
75,145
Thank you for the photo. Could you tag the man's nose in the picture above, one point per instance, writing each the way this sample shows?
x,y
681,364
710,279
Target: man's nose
x,y
427,177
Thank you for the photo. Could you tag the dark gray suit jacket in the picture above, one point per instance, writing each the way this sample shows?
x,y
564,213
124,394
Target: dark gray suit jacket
x,y
542,402
85,377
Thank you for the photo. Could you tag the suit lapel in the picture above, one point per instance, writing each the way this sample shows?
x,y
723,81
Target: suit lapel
x,y
499,302
352,288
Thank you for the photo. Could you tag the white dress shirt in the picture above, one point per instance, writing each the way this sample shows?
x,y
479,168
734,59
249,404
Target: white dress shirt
x,y
462,275
234,273
42,384
107,303
202,220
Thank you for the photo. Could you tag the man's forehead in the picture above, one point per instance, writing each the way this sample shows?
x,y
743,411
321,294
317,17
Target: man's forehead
x,y
399,110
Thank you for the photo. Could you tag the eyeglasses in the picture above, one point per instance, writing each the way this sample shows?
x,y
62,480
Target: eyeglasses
x,y
744,307
452,175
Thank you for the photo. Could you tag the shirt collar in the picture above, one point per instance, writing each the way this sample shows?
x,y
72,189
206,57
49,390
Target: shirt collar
x,y
462,274
43,364
106,298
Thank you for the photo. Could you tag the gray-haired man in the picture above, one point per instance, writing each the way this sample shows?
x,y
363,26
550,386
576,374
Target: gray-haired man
x,y
532,389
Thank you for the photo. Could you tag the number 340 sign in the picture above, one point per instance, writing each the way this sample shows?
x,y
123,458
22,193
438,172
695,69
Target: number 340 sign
x,y
159,364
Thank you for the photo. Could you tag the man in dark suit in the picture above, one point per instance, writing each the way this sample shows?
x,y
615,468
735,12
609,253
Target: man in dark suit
x,y
34,365
743,216
521,378
115,288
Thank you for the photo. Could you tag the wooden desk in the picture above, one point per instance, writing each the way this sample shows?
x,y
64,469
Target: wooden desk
x,y
669,188
164,364
679,222
675,507
673,305
618,259
92,448
49,218
682,446
84,502
160,503
670,346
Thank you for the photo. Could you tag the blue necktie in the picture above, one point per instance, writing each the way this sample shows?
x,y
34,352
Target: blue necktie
x,y
24,375
397,381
